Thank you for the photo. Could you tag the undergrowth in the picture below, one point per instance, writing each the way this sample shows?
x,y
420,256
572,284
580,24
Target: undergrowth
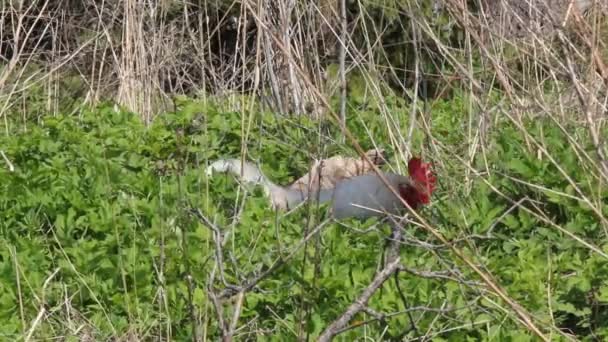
x,y
98,237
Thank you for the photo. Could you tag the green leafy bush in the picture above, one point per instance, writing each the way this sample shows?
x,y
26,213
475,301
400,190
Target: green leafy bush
x,y
96,229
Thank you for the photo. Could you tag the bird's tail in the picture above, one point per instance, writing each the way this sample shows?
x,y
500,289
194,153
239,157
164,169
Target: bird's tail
x,y
247,171
280,197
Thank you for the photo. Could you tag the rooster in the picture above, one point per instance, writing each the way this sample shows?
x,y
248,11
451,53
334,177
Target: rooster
x,y
360,197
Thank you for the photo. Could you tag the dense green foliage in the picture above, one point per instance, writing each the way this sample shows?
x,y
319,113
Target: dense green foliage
x,y
102,204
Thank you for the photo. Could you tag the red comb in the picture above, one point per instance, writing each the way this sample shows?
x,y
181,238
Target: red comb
x,y
423,183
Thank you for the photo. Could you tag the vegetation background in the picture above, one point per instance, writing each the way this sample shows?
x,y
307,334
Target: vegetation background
x,y
110,110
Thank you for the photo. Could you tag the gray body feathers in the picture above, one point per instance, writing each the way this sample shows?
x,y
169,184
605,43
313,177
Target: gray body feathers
x,y
366,195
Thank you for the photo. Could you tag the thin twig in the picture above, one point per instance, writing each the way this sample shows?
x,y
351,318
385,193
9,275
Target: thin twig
x,y
220,316
11,168
342,58
42,309
237,313
382,317
360,304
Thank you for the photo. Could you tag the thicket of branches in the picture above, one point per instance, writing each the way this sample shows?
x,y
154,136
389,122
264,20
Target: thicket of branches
x,y
138,52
